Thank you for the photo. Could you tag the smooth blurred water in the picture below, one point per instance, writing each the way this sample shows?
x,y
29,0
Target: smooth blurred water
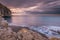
x,y
35,20
41,23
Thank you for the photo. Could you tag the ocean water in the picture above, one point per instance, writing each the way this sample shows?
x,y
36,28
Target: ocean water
x,y
41,23
35,20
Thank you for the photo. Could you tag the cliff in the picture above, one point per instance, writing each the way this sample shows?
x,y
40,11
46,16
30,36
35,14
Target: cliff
x,y
4,10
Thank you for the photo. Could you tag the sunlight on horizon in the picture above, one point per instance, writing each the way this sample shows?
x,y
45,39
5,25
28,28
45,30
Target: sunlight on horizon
x,y
22,11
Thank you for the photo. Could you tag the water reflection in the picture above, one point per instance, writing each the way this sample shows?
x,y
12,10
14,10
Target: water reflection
x,y
36,20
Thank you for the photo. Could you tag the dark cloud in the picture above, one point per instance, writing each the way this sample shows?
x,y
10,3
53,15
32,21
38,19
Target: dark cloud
x,y
56,11
48,6
23,3
20,3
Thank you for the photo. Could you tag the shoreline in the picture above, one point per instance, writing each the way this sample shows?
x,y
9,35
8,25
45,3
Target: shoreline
x,y
17,28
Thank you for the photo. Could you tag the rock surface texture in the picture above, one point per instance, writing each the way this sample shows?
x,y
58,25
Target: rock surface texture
x,y
7,34
4,11
25,34
54,38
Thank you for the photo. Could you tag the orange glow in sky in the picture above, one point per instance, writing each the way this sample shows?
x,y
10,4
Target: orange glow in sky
x,y
23,9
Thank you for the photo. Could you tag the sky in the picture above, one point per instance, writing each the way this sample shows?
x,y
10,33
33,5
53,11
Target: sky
x,y
33,6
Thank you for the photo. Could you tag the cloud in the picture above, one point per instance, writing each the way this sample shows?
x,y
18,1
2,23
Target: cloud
x,y
20,3
50,8
23,3
34,6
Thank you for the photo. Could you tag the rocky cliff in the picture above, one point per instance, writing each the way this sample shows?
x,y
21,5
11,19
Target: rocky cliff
x,y
4,10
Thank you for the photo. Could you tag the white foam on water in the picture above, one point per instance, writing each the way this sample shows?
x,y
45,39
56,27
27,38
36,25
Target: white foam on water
x,y
47,30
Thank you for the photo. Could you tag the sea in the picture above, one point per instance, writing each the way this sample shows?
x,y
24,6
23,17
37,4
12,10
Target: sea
x,y
35,19
42,23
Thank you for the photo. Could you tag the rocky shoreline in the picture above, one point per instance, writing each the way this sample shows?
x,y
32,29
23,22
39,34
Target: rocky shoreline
x,y
21,34
18,33
10,32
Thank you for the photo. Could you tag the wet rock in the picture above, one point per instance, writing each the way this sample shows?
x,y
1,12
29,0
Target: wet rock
x,y
26,34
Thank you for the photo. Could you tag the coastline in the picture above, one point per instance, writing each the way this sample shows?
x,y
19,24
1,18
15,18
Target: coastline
x,y
17,28
47,33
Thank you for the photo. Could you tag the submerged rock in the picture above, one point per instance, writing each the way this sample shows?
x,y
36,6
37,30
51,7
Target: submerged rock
x,y
26,34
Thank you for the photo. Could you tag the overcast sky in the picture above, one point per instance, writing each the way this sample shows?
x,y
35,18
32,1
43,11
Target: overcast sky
x,y
34,6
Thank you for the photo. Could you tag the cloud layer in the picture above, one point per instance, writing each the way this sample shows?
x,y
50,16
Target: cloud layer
x,y
34,6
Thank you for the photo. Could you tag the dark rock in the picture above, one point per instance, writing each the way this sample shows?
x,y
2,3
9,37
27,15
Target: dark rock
x,y
4,11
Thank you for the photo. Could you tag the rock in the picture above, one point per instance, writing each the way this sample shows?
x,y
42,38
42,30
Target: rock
x,y
54,38
7,34
4,11
4,23
25,34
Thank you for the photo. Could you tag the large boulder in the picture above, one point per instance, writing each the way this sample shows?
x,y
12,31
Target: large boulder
x,y
26,34
7,34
